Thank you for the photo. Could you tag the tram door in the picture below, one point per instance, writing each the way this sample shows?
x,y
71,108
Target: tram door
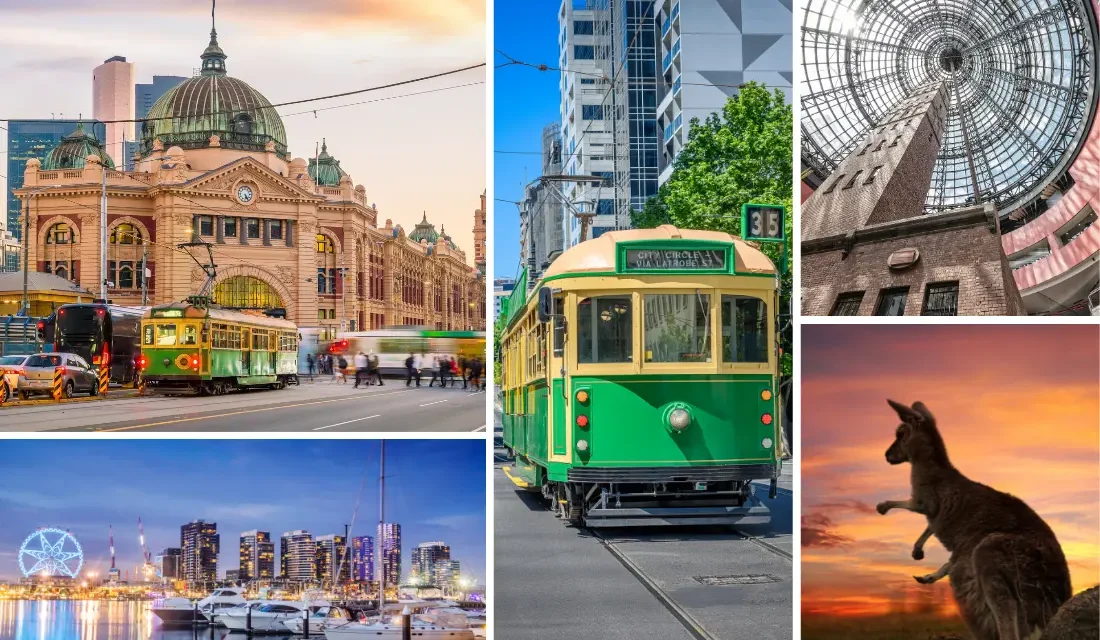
x,y
273,345
246,352
558,381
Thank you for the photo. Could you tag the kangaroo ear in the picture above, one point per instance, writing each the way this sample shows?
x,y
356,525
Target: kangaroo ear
x,y
907,414
923,410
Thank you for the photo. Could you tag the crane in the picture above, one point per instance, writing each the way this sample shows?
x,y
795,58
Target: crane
x,y
148,570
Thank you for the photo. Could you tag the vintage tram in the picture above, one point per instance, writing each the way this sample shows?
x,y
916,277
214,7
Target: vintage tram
x,y
195,346
639,383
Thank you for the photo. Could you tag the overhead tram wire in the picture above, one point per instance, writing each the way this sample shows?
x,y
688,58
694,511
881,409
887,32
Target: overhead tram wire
x,y
292,102
641,83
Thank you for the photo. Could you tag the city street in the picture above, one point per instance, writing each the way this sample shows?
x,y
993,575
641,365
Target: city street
x,y
555,581
320,407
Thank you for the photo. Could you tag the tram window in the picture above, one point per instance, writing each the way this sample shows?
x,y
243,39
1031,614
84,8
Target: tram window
x,y
677,327
559,327
604,330
166,335
744,329
189,335
148,335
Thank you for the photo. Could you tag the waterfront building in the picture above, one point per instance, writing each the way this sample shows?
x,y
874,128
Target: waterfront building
x,y
168,564
285,233
389,542
425,557
11,252
199,548
332,564
362,559
233,575
697,73
257,556
33,139
447,574
113,99
297,560
502,288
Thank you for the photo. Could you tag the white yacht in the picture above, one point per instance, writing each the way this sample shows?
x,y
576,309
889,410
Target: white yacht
x,y
182,610
218,617
318,619
268,617
430,626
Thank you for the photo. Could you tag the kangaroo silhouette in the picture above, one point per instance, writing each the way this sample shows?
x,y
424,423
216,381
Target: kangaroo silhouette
x,y
1007,570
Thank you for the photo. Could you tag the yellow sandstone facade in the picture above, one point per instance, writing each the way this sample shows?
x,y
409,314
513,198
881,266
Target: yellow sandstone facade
x,y
284,233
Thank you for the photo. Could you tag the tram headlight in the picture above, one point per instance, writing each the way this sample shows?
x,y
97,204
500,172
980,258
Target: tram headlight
x,y
766,443
679,419
582,445
766,395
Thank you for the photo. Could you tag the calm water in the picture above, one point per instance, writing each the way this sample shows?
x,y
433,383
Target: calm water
x,y
97,620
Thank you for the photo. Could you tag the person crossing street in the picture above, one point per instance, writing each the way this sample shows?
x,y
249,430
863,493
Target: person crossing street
x,y
360,368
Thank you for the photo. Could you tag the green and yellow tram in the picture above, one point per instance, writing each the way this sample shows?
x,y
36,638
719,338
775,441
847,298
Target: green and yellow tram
x,y
197,347
639,384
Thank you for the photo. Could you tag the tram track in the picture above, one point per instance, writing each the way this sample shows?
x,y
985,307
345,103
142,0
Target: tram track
x,y
681,615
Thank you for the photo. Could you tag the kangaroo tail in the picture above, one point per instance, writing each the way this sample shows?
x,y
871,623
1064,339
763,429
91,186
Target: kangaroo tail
x,y
1079,617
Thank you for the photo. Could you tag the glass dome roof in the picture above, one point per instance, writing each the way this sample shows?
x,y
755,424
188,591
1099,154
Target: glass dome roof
x,y
1024,72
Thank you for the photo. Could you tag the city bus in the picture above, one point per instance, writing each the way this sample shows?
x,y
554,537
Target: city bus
x,y
639,385
98,332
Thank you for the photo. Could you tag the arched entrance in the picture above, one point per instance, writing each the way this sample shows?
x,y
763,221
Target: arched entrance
x,y
247,292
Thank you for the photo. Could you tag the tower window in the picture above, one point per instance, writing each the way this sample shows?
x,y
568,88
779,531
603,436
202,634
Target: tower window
x,y
871,176
832,187
891,302
864,150
852,182
847,304
941,299
242,123
896,141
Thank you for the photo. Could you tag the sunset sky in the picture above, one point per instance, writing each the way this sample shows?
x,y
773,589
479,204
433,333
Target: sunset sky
x,y
413,154
1019,410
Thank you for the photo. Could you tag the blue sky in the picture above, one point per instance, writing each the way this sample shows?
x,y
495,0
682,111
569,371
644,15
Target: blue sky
x,y
435,489
525,101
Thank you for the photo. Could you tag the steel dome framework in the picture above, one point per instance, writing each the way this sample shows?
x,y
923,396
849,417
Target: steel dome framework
x,y
1023,71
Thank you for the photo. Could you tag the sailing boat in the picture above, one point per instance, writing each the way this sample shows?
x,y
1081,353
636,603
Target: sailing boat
x,y
338,624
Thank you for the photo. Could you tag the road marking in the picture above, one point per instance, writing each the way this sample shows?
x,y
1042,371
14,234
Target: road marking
x,y
516,481
347,422
481,428
235,413
431,403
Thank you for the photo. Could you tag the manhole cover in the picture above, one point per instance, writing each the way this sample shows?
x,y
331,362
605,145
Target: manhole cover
x,y
721,581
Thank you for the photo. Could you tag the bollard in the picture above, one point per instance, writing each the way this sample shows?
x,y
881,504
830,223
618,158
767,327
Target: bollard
x,y
104,377
406,624
305,627
248,621
195,614
5,392
58,375
141,384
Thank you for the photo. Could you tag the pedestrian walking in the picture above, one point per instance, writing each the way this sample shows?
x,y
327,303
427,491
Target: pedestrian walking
x,y
456,373
444,370
435,372
373,370
360,368
475,374
410,370
310,365
463,365
341,373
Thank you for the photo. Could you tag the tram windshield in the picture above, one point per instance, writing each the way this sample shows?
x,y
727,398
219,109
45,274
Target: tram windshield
x,y
744,329
677,327
604,330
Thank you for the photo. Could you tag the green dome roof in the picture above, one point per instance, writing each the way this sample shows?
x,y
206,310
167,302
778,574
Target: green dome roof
x,y
447,238
424,230
330,171
214,104
73,151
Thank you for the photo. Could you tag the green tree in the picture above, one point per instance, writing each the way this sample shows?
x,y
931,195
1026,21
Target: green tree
x,y
741,154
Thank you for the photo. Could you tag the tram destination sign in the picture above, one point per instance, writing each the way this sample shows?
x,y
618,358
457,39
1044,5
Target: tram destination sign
x,y
167,313
675,259
763,222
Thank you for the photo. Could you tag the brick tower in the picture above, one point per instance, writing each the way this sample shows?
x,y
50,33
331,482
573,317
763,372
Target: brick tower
x,y
869,249
479,235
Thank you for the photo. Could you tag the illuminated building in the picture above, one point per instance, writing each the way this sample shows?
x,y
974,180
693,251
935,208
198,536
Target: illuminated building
x,y
362,559
297,558
425,557
257,556
389,541
199,548
168,564
331,556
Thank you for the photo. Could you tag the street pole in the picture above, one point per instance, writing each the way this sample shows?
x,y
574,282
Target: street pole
x,y
103,234
381,518
144,276
26,254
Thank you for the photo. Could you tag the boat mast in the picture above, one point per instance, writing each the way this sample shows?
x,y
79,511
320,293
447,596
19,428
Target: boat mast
x,y
381,520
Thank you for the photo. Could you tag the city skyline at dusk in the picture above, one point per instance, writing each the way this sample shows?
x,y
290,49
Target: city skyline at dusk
x,y
1016,414
434,490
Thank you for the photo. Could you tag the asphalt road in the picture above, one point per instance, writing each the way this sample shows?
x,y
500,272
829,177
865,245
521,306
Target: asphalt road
x,y
554,581
319,407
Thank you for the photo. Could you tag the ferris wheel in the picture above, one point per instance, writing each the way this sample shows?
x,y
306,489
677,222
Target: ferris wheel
x,y
50,552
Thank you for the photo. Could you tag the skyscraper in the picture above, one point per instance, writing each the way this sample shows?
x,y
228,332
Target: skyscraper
x,y
113,99
145,95
257,556
424,559
168,564
298,556
362,559
34,139
389,542
199,548
332,564
707,48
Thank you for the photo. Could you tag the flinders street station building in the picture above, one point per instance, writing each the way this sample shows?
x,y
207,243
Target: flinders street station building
x,y
284,232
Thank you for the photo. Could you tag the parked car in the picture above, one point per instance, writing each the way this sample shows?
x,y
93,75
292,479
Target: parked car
x,y
11,367
37,377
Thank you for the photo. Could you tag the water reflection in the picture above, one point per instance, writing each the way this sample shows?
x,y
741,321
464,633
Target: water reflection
x,y
98,620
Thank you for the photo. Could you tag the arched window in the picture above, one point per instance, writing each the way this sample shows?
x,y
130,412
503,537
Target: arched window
x,y
126,277
324,244
322,281
242,123
246,292
61,272
126,233
59,233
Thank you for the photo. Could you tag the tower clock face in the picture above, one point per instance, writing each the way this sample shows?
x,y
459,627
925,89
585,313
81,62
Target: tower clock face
x,y
244,193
